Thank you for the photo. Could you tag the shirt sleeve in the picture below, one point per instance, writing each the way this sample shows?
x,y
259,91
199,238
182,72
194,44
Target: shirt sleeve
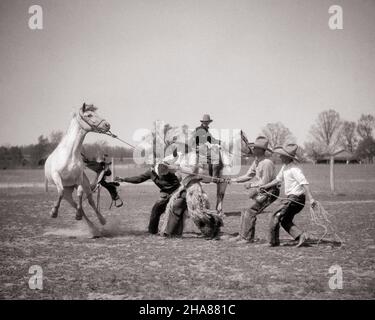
x,y
139,179
214,140
299,176
268,173
280,175
251,172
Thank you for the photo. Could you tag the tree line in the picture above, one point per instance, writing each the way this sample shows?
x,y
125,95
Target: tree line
x,y
34,155
328,135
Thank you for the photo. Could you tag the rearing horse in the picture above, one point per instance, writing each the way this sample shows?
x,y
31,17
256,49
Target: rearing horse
x,y
65,168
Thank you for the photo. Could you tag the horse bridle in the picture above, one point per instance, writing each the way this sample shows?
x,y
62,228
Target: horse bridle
x,y
93,126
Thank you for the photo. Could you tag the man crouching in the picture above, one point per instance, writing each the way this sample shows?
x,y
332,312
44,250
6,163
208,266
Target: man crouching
x,y
168,183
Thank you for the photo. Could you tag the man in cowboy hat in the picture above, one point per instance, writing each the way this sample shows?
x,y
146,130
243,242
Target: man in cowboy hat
x,y
296,188
168,183
261,171
202,136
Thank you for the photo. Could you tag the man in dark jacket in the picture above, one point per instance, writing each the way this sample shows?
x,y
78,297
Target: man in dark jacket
x,y
167,182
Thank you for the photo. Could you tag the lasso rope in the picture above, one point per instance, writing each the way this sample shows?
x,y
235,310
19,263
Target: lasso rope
x,y
319,216
112,135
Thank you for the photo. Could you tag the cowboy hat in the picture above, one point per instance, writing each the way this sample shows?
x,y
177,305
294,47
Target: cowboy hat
x,y
289,150
206,118
261,143
162,168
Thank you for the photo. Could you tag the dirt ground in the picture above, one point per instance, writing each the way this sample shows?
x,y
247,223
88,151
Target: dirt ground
x,y
130,264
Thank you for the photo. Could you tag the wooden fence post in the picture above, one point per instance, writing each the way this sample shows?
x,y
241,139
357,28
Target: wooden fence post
x,y
113,168
331,173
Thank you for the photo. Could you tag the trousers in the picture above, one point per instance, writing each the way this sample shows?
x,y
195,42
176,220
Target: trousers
x,y
249,216
175,223
284,215
156,211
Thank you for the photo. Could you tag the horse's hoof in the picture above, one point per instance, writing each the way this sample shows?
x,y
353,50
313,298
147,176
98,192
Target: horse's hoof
x,y
54,213
79,215
96,233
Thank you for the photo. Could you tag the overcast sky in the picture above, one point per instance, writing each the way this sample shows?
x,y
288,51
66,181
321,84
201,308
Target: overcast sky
x,y
246,63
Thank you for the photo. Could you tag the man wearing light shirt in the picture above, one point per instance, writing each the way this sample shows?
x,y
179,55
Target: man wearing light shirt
x,y
296,188
261,171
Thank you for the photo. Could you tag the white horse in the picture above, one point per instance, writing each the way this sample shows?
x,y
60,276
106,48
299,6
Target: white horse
x,y
64,166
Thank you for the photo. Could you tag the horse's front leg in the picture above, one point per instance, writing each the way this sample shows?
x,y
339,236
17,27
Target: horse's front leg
x,y
60,191
79,209
220,192
87,189
80,213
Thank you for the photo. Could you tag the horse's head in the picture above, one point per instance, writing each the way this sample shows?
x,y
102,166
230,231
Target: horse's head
x,y
237,144
245,146
89,119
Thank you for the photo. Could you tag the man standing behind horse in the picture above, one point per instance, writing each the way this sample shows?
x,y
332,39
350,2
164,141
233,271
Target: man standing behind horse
x,y
202,136
261,171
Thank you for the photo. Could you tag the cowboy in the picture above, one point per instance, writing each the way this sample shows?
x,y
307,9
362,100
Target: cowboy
x,y
206,220
202,136
296,188
167,182
174,224
101,168
261,171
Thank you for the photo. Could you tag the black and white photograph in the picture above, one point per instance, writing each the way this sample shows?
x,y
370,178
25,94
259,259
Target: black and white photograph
x,y
215,151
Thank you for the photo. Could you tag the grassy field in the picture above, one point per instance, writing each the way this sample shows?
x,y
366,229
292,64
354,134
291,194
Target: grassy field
x,y
130,264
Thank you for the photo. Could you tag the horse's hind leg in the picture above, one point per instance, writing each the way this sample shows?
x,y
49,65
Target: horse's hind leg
x,y
68,196
60,191
87,189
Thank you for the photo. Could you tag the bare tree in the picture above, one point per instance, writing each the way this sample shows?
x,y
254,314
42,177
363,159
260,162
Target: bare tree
x,y
366,125
55,138
314,150
40,151
327,130
326,133
349,137
277,134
